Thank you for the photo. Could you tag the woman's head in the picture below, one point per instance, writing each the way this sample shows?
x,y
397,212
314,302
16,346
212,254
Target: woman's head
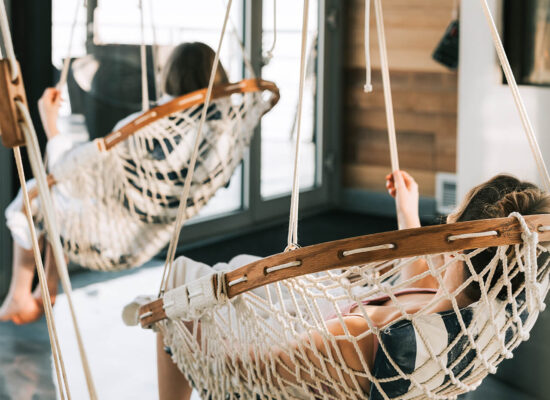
x,y
497,198
188,69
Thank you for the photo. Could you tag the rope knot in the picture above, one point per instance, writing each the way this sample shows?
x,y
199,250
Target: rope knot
x,y
533,292
530,237
291,247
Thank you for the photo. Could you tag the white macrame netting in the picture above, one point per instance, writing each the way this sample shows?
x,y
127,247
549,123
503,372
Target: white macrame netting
x,y
116,208
235,348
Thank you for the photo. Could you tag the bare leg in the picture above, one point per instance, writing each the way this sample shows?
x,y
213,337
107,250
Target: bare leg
x,y
19,305
172,383
52,277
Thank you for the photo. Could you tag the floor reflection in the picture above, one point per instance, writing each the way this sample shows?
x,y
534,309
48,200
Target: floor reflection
x,y
25,362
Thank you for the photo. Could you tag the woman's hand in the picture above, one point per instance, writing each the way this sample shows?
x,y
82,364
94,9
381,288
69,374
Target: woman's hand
x,y
48,106
404,189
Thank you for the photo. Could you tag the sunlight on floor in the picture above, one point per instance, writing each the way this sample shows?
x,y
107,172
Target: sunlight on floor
x,y
122,358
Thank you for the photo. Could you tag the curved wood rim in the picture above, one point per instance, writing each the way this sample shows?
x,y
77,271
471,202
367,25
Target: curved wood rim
x,y
373,248
178,104
187,101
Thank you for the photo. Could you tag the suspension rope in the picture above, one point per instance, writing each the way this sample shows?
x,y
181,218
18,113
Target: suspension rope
x,y
269,53
246,60
158,91
143,56
57,356
368,64
191,168
292,240
67,62
8,43
237,36
386,83
38,169
527,126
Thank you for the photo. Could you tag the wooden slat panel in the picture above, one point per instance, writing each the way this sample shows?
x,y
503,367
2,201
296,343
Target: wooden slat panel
x,y
372,177
417,150
424,96
406,121
404,100
412,33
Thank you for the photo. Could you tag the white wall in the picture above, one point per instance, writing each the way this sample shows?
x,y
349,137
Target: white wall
x,y
490,135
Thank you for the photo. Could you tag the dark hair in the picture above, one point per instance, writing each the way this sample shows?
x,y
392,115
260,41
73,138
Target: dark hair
x,y
497,198
188,69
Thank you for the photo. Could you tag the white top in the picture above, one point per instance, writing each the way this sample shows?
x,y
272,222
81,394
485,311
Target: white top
x,y
56,148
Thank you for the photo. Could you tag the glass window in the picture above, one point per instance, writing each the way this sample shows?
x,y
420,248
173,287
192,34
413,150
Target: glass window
x,y
104,86
279,126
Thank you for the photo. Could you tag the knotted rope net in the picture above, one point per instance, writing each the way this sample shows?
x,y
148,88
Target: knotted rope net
x,y
116,208
321,335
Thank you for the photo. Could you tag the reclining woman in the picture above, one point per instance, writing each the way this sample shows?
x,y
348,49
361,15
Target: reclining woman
x,y
187,70
495,198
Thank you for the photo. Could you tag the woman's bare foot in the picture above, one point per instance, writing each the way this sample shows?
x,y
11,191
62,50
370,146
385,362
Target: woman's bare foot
x,y
20,306
21,309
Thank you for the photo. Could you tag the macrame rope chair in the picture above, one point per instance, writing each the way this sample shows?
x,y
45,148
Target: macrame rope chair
x,y
276,327
122,190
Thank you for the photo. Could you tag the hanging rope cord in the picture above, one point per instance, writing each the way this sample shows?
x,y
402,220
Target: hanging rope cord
x,y
59,364
67,62
390,118
385,74
53,236
236,36
8,43
143,58
292,240
158,90
269,53
527,126
187,185
368,65
57,356
51,226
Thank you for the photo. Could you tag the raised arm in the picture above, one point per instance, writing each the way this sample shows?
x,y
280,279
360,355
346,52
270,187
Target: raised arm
x,y
404,189
48,106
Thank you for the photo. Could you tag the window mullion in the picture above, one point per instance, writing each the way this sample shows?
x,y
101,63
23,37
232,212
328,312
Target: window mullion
x,y
253,43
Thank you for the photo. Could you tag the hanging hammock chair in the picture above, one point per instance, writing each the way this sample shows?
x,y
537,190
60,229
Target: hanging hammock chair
x,y
297,325
116,198
123,190
268,327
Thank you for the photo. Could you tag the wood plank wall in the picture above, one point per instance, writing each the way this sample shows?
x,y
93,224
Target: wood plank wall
x,y
424,96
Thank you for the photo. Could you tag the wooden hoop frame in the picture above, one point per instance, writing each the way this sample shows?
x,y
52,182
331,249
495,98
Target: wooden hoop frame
x,y
184,102
366,249
178,104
